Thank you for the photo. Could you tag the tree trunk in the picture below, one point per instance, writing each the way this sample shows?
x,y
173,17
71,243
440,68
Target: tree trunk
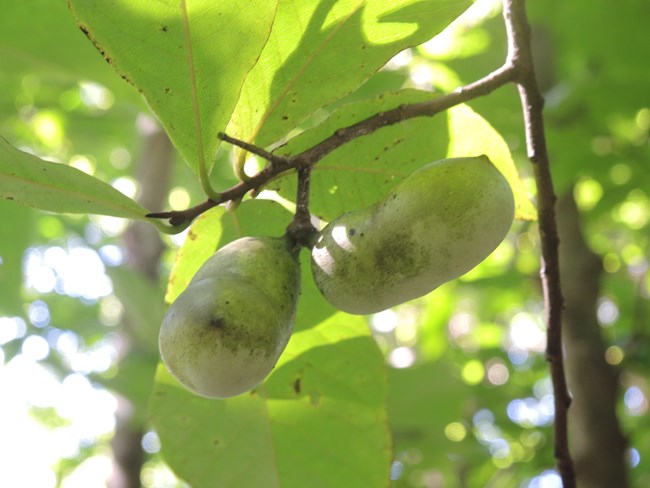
x,y
143,249
597,444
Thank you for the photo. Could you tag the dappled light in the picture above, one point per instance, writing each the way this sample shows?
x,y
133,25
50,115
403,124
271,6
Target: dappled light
x,y
74,271
450,388
95,96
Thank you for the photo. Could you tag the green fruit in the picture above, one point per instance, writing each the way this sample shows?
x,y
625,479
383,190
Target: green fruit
x,y
225,332
433,227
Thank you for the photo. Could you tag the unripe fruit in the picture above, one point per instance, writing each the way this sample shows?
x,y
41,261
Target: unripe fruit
x,y
223,335
434,226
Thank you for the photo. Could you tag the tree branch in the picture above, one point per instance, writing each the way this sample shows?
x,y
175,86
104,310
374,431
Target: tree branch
x,y
520,56
311,156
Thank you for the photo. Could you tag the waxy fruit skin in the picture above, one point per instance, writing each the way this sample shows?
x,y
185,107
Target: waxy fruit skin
x,y
434,226
224,334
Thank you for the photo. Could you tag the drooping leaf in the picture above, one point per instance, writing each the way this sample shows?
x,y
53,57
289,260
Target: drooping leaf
x,y
319,419
319,51
362,171
189,59
31,181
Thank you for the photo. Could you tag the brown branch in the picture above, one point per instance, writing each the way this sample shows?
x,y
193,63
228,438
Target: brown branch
x,y
251,148
520,56
311,156
429,108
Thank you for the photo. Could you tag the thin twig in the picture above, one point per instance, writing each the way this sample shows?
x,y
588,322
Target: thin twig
x,y
251,148
520,55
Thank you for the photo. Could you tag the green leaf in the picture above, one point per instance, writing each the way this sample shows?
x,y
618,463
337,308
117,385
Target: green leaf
x,y
326,395
189,60
31,181
361,172
471,135
423,401
318,419
70,59
200,243
319,51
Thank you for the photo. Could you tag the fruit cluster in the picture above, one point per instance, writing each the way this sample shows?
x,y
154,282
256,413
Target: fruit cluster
x,y
224,334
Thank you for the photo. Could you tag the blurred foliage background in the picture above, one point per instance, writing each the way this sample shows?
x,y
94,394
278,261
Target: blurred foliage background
x,y
470,398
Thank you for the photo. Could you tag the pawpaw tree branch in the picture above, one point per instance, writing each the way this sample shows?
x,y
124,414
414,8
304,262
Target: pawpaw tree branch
x,y
520,56
344,135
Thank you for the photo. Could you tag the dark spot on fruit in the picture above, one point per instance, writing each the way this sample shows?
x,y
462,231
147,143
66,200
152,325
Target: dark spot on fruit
x,y
397,255
216,442
217,323
168,91
351,232
164,28
285,117
297,386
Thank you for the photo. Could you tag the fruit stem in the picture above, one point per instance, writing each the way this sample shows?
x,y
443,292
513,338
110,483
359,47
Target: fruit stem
x,y
301,229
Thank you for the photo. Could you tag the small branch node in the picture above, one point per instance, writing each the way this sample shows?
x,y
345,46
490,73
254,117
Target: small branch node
x,y
301,229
